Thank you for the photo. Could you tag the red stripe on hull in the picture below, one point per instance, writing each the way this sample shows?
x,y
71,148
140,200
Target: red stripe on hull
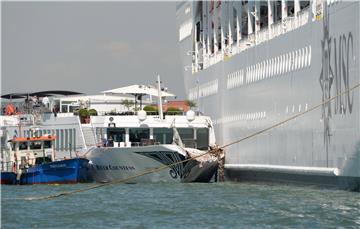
x,y
7,182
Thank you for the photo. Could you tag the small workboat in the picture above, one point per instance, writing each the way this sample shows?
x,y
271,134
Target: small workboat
x,y
8,177
32,161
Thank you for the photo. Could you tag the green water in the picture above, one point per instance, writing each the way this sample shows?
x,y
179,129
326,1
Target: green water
x,y
165,205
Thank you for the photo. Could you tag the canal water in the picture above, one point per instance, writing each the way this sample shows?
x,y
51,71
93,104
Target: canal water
x,y
165,205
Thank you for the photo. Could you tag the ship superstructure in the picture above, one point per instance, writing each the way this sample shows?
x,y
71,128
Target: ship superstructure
x,y
251,64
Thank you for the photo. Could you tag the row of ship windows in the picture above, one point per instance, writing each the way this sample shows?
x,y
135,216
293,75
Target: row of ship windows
x,y
294,109
259,115
65,138
204,90
242,117
282,64
285,63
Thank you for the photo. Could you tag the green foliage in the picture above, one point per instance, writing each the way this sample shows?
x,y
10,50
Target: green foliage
x,y
127,103
150,108
173,111
83,112
190,103
93,112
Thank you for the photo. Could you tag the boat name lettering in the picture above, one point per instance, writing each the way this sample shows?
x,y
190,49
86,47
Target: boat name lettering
x,y
115,167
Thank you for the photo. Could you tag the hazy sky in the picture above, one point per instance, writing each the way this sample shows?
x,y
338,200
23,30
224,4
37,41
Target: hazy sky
x,y
88,46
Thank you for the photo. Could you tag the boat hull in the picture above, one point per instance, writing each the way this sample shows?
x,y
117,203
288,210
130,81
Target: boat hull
x,y
8,178
59,172
125,164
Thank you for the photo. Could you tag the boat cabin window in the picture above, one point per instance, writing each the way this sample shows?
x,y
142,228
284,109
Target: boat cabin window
x,y
137,134
47,144
163,135
186,133
116,134
41,160
35,145
187,137
202,138
23,145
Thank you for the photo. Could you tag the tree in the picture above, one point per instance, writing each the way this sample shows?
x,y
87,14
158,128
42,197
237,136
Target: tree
x,y
190,103
127,103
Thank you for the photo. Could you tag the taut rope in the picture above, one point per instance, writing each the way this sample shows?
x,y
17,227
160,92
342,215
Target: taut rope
x,y
215,151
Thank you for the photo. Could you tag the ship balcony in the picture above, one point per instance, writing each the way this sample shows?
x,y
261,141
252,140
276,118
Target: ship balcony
x,y
265,34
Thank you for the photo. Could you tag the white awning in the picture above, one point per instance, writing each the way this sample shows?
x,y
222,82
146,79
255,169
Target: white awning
x,y
138,89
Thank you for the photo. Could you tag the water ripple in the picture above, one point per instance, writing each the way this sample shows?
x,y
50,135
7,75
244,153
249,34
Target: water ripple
x,y
162,205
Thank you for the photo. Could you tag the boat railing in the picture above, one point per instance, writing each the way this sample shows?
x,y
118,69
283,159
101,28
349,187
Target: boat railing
x,y
7,166
189,143
150,113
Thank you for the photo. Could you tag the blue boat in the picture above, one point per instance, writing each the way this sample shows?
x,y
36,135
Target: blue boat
x,y
68,171
8,178
33,162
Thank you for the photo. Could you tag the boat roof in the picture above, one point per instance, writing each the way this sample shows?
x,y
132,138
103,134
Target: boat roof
x,y
41,138
23,95
102,97
138,89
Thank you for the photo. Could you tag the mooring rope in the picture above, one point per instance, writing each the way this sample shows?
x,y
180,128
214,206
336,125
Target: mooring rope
x,y
211,151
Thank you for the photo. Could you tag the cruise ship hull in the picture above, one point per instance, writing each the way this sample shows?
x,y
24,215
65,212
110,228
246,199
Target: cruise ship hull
x,y
277,79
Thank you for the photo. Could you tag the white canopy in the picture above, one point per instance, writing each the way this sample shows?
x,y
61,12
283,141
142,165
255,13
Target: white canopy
x,y
138,89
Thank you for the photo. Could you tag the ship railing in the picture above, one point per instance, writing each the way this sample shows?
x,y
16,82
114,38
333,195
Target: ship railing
x,y
276,29
205,61
7,166
265,34
288,24
216,58
234,49
262,36
244,44
303,17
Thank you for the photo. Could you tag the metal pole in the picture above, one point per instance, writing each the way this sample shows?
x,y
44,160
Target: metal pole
x,y
160,99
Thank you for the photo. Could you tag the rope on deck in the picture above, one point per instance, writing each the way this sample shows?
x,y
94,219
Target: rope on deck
x,y
216,151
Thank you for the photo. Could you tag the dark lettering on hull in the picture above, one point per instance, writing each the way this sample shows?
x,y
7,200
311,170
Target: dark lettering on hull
x,y
336,61
115,167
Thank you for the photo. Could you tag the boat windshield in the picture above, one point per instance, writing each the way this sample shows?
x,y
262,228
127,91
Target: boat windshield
x,y
23,146
116,134
47,144
35,145
137,134
163,135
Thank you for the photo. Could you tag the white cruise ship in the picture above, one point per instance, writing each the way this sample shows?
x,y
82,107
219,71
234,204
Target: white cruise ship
x,y
252,64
